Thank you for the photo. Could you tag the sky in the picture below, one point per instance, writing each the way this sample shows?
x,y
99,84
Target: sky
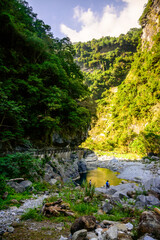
x,y
83,20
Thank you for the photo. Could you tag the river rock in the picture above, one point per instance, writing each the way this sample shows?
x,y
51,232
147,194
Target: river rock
x,y
143,201
113,161
107,207
149,223
10,229
91,235
123,236
63,238
146,237
111,233
84,222
122,189
80,235
52,181
155,158
26,184
131,194
129,226
152,184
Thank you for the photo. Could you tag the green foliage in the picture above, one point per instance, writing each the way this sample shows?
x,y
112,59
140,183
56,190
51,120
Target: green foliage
x,y
41,186
3,186
41,86
142,19
106,61
129,118
119,212
19,165
84,208
32,214
88,190
5,203
75,198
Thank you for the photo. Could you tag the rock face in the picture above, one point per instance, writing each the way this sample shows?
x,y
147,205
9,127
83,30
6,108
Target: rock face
x,y
70,140
149,223
151,25
82,168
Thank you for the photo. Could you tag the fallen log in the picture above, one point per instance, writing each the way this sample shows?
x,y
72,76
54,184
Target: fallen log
x,y
56,208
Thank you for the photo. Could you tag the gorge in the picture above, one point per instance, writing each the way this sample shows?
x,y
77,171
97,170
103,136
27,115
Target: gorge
x,y
67,109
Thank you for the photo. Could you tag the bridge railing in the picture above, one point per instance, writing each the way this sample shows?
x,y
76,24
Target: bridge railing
x,y
45,151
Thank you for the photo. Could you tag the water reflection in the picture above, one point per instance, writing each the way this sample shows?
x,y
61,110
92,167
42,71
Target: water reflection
x,y
99,177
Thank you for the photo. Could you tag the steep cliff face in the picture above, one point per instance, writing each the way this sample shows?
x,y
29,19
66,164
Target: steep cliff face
x,y
150,23
129,119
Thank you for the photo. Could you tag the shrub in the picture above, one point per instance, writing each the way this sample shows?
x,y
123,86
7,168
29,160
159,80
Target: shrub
x,y
19,164
3,185
88,190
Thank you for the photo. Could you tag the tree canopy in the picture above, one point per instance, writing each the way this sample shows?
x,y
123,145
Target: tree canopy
x,y
41,87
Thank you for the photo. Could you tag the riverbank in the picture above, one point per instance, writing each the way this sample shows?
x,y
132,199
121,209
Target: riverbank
x,y
106,204
136,170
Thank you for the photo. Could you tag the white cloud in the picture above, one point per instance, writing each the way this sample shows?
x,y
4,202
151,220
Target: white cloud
x,y
109,24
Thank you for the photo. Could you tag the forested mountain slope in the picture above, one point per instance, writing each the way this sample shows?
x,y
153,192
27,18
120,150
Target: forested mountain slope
x,y
41,87
106,62
129,115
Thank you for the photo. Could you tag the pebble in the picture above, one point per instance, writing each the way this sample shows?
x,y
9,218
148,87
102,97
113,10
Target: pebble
x,y
7,217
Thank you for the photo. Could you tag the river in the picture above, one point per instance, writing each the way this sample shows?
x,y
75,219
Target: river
x,y
99,176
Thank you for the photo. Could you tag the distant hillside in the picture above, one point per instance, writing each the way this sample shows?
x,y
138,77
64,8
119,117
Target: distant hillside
x,y
106,62
129,115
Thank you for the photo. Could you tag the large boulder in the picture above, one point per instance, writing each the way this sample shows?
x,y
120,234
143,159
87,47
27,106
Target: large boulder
x,y
149,223
107,207
16,186
84,222
122,190
143,201
80,235
112,233
146,237
152,184
26,184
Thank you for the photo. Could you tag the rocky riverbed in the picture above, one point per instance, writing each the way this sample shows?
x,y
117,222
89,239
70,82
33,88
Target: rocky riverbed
x,y
145,172
7,217
137,171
